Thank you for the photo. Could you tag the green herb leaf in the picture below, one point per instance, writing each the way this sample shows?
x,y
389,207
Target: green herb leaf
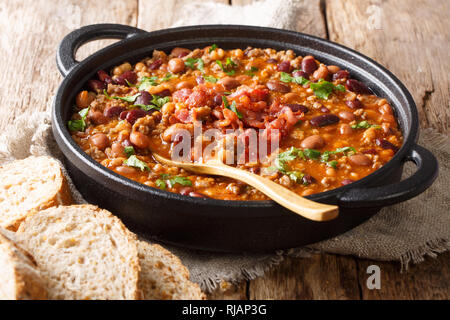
x,y
333,164
228,68
79,125
160,184
159,101
195,63
232,107
365,125
127,99
323,89
213,47
312,153
146,107
167,77
296,176
133,161
210,79
286,77
180,180
251,72
129,150
147,82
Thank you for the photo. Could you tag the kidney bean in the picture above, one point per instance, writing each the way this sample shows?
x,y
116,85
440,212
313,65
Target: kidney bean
x,y
184,85
164,93
113,111
97,117
333,69
324,120
139,139
313,142
284,66
123,115
357,86
360,160
386,144
324,109
84,99
229,83
96,85
300,73
341,74
354,104
144,98
217,100
320,73
308,179
278,86
347,115
135,114
129,76
197,195
200,80
100,140
104,76
346,182
272,61
176,65
296,107
155,64
117,149
370,151
309,65
180,52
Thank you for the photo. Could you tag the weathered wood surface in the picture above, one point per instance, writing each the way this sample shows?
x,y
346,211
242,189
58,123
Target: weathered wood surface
x,y
410,37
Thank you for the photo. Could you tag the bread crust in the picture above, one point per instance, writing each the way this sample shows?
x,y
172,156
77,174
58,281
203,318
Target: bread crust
x,y
28,282
133,263
62,195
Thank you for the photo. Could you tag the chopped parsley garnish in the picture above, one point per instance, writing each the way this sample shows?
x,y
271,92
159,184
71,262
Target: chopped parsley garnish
x,y
365,125
229,66
133,161
160,184
127,99
251,72
79,125
159,101
286,77
180,180
323,89
167,77
129,150
213,47
193,63
147,82
210,79
147,107
232,107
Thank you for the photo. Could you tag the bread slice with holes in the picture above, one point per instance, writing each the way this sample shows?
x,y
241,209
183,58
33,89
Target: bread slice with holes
x,y
29,185
20,278
84,252
163,276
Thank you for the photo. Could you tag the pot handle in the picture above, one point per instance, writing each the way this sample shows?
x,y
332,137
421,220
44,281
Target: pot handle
x,y
65,56
418,182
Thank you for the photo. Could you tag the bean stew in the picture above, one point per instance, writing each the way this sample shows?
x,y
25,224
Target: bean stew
x,y
330,129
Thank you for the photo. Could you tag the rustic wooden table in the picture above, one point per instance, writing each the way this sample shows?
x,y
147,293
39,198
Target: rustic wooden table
x,y
409,37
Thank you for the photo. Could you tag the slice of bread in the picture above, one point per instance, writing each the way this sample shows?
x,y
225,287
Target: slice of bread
x,y
84,252
29,185
20,278
163,276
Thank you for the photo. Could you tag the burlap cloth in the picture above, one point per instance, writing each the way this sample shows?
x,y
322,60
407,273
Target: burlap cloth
x,y
406,232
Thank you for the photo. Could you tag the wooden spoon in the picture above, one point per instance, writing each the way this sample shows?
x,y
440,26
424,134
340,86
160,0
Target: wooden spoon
x,y
306,208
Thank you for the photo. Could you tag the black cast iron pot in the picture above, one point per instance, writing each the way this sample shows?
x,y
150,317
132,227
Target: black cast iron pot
x,y
232,226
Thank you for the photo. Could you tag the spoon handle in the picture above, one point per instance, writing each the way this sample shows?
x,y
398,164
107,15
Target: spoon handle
x,y
283,196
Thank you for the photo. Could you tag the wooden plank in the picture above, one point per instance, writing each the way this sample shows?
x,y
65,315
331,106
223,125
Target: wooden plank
x,y
160,14
28,49
322,276
311,19
409,38
427,280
